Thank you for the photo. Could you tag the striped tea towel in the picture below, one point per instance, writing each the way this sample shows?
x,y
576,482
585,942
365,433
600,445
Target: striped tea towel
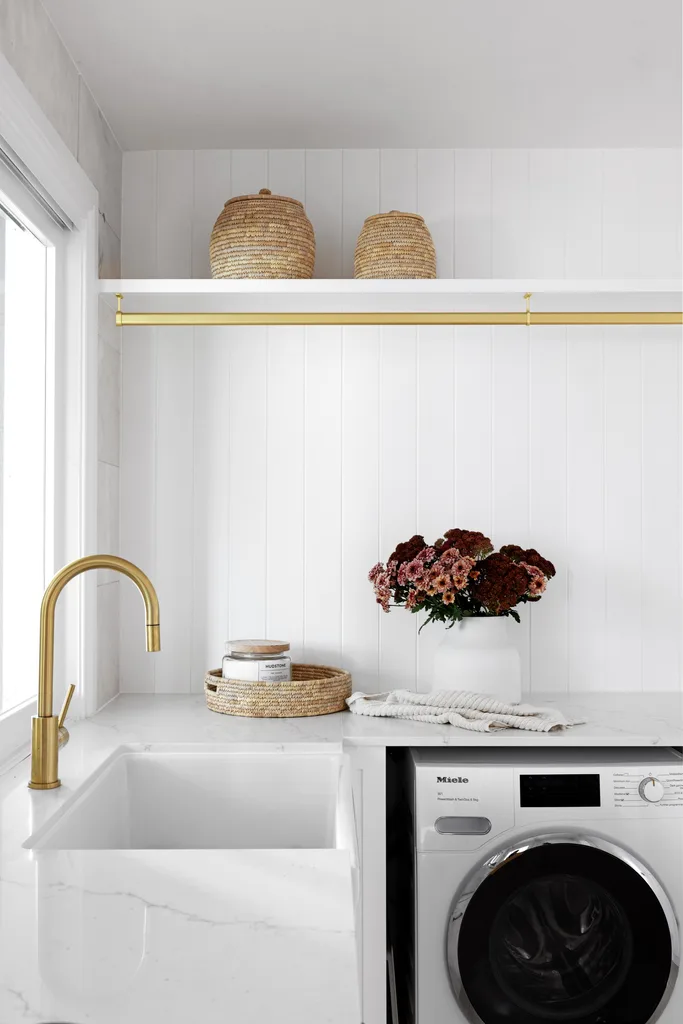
x,y
474,711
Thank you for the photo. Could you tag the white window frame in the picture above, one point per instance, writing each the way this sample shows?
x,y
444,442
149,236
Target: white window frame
x,y
36,142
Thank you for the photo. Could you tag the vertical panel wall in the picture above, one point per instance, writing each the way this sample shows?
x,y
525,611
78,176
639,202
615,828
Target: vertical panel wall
x,y
263,471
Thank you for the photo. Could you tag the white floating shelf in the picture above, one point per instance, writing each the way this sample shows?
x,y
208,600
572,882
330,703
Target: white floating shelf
x,y
183,295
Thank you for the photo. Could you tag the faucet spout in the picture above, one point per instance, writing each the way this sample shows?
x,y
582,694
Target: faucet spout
x,y
46,725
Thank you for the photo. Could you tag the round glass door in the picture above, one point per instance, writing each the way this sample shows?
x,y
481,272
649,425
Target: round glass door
x,y
562,931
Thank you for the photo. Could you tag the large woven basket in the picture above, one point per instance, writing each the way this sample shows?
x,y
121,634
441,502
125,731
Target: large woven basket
x,y
313,690
395,245
262,236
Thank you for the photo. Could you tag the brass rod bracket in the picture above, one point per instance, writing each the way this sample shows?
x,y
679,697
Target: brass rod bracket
x,y
119,311
527,297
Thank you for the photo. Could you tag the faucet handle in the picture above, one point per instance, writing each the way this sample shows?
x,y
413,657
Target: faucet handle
x,y
63,732
65,706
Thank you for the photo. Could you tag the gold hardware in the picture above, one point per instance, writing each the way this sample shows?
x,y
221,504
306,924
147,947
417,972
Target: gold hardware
x,y
48,732
449,319
62,731
65,706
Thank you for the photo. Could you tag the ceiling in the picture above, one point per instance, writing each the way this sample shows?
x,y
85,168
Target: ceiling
x,y
186,74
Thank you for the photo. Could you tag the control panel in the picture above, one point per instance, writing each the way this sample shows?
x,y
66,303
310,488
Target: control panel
x,y
632,788
464,806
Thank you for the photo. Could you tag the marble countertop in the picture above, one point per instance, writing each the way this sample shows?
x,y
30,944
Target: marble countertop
x,y
153,936
171,936
610,720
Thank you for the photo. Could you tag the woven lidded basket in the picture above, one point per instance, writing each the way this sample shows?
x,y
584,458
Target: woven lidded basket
x,y
262,236
394,244
312,690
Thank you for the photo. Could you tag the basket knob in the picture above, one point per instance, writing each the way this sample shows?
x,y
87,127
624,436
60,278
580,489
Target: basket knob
x,y
265,192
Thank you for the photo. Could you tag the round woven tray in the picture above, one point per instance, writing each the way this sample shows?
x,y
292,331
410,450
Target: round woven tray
x,y
262,236
395,245
313,690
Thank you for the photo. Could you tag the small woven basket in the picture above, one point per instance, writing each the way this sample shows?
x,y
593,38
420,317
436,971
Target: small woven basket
x,y
262,236
312,690
394,245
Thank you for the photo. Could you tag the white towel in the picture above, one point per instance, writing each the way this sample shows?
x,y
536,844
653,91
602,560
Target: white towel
x,y
474,711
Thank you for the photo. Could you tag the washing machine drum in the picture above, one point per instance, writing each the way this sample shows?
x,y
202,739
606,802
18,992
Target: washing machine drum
x,y
562,931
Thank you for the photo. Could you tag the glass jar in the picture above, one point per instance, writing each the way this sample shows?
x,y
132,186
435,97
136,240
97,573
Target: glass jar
x,y
257,660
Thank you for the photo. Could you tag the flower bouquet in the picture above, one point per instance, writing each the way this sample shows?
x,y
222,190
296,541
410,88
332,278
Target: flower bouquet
x,y
460,576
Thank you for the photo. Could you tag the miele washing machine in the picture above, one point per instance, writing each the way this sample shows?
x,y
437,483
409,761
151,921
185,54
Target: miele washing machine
x,y
548,885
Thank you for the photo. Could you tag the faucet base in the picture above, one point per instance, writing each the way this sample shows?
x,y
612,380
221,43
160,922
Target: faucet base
x,y
44,750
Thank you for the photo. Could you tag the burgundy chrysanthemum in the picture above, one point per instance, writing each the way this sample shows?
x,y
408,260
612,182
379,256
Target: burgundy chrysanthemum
x,y
409,550
530,556
501,584
468,542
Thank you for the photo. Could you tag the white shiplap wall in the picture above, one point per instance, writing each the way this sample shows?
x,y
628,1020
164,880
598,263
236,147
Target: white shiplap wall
x,y
263,471
503,213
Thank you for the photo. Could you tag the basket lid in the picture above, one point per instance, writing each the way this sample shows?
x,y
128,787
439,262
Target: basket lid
x,y
268,647
395,213
264,193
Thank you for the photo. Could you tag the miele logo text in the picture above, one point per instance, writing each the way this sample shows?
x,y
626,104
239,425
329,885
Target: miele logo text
x,y
447,778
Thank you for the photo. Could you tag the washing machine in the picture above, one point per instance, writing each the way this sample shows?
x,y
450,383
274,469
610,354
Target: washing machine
x,y
548,885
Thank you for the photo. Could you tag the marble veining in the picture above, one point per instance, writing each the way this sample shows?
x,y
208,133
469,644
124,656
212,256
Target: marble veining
x,y
171,935
147,936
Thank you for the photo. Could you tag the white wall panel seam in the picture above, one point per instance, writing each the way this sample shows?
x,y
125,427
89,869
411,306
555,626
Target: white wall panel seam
x,y
266,567
304,475
383,555
193,536
155,446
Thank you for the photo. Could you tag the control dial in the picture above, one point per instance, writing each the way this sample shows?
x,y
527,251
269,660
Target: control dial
x,y
651,789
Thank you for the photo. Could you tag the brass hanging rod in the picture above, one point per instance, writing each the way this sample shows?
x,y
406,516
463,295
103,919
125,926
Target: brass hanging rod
x,y
526,318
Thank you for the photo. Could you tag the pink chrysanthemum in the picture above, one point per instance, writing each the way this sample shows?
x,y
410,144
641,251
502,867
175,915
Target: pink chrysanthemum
x,y
375,571
449,558
537,580
414,570
448,597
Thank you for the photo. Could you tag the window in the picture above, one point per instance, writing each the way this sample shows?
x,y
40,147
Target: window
x,y
30,253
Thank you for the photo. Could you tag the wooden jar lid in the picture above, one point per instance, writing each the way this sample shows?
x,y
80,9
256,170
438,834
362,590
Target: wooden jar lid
x,y
256,647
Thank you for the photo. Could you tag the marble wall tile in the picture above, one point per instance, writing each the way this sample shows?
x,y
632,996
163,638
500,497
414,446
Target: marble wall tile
x,y
109,403
109,255
107,685
30,42
109,333
108,508
107,516
99,154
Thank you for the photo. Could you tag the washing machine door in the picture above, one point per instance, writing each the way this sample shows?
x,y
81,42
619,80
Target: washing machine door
x,y
562,928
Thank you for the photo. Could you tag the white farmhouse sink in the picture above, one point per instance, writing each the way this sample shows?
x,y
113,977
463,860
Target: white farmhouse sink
x,y
147,799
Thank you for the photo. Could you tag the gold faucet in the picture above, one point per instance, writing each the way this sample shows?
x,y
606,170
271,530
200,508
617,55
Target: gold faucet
x,y
48,733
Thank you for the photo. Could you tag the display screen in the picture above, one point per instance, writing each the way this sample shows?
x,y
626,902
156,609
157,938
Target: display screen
x,y
559,790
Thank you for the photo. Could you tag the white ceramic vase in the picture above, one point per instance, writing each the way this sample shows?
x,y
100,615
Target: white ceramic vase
x,y
476,654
